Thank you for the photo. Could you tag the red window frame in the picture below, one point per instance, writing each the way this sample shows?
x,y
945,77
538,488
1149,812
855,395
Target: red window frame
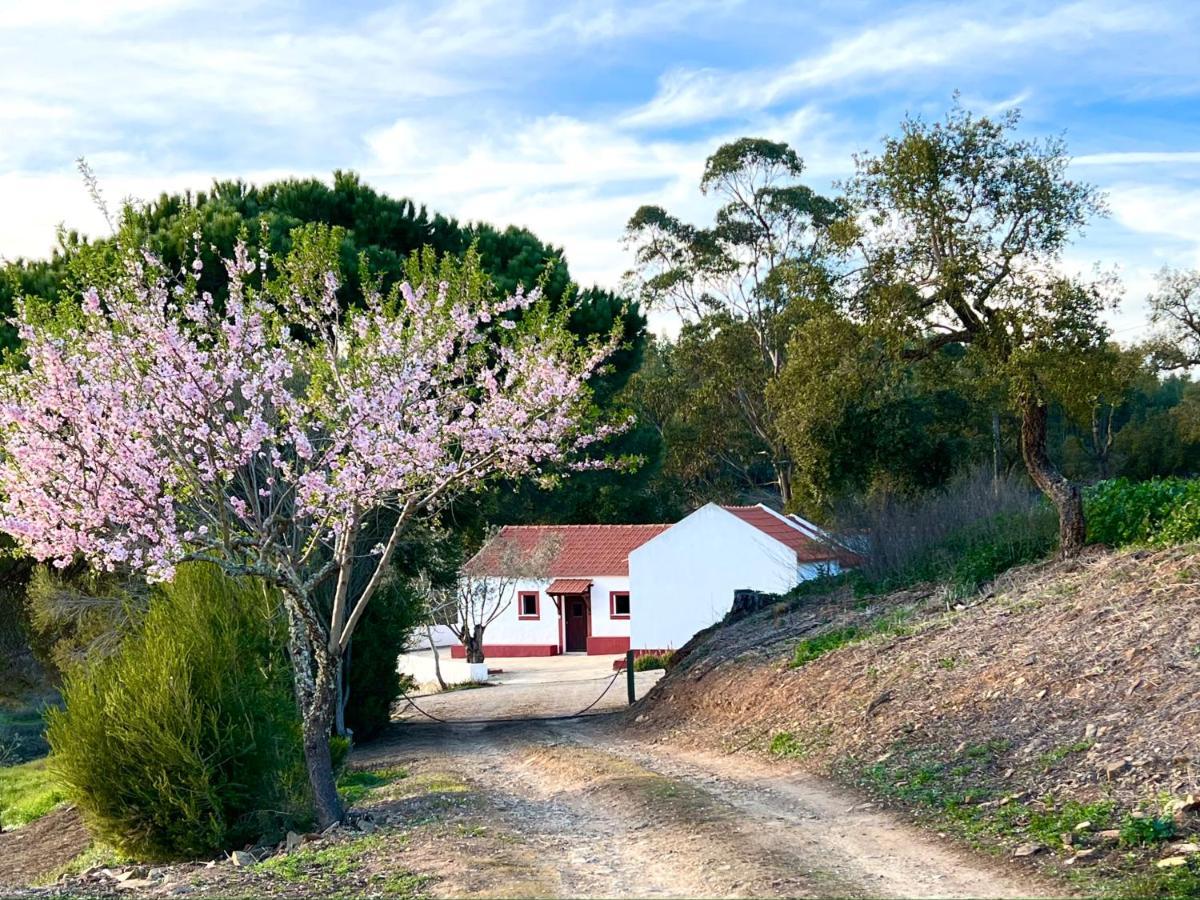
x,y
612,605
537,604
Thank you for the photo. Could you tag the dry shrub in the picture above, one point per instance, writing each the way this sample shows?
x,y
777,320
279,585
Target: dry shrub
x,y
965,533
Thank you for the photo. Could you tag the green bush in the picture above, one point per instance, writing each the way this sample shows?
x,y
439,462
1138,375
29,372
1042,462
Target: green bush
x,y
651,661
372,677
1161,511
185,740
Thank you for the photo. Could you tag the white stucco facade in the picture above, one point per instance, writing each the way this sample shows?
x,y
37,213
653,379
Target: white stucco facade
x,y
678,578
684,579
515,634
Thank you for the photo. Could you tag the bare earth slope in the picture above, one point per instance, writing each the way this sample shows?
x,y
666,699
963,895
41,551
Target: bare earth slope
x,y
1067,696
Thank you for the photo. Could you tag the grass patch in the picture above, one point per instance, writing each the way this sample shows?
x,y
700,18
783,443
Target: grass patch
x,y
324,868
464,686
1143,831
355,785
27,792
1050,758
652,661
809,649
785,744
816,647
97,854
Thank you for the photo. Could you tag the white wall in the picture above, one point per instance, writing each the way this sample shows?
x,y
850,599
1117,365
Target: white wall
x,y
683,580
510,629
603,625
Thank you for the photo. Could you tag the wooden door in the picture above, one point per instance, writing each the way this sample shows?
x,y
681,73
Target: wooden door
x,y
576,625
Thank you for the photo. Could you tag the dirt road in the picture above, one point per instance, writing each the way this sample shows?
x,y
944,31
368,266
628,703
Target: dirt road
x,y
575,809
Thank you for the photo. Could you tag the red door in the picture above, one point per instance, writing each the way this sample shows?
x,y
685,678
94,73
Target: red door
x,y
576,625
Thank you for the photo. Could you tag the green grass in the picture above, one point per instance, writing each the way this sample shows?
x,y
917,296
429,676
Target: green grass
x,y
1142,831
325,865
786,745
27,792
355,785
809,649
813,648
1058,754
651,661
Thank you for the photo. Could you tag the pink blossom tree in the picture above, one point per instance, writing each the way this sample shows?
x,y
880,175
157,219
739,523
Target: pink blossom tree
x,y
269,432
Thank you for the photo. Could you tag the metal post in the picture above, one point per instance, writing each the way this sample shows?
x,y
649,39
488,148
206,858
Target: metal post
x,y
629,675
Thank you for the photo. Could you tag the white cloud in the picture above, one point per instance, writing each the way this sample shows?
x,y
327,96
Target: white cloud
x,y
1139,158
929,39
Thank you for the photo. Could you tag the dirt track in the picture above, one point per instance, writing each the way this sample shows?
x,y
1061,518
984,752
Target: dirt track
x,y
581,811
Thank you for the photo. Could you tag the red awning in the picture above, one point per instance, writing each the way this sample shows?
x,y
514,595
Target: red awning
x,y
569,586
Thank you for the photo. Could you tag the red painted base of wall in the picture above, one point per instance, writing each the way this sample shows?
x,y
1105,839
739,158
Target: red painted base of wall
x,y
458,651
604,646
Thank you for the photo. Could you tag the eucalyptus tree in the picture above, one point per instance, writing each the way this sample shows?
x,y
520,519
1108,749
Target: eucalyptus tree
x,y
772,239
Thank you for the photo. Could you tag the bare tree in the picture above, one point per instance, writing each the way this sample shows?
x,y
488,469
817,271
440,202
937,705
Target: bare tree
x,y
1175,311
486,587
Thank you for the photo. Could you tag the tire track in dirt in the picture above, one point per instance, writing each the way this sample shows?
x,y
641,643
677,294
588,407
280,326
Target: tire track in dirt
x,y
608,817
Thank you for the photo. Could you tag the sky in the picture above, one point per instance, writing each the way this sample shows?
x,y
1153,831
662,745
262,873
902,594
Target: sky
x,y
566,117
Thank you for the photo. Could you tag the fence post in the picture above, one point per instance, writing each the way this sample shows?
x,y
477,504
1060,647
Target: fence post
x,y
629,675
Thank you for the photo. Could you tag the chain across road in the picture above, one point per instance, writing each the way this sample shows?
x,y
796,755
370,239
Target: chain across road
x,y
583,711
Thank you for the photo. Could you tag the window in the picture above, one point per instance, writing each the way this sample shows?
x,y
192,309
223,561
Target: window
x,y
618,604
527,605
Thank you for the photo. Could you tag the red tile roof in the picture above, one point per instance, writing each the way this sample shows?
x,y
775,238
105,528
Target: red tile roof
x,y
790,535
584,550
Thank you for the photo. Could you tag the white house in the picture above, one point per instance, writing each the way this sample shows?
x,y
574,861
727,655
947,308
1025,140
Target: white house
x,y
584,606
684,579
651,587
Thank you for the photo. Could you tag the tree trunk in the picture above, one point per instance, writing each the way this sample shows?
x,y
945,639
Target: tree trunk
x,y
317,720
1063,493
314,670
473,643
783,477
996,452
437,661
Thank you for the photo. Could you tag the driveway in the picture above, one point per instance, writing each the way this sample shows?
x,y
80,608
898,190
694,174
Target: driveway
x,y
522,687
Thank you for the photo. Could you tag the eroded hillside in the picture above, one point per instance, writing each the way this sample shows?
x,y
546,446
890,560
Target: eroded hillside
x,y
1054,717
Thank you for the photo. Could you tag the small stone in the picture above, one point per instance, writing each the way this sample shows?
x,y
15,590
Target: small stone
x,y
1171,862
156,874
1109,835
1114,769
1085,855
1028,849
1082,826
134,884
366,826
1186,849
242,858
1089,732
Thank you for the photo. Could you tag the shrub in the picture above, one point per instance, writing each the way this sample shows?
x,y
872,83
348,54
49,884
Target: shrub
x,y
373,680
965,534
650,661
185,740
1160,511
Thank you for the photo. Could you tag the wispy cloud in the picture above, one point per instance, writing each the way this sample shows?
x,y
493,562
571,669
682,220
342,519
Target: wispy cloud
x,y
930,39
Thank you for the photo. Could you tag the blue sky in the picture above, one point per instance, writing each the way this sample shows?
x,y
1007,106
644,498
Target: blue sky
x,y
565,117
